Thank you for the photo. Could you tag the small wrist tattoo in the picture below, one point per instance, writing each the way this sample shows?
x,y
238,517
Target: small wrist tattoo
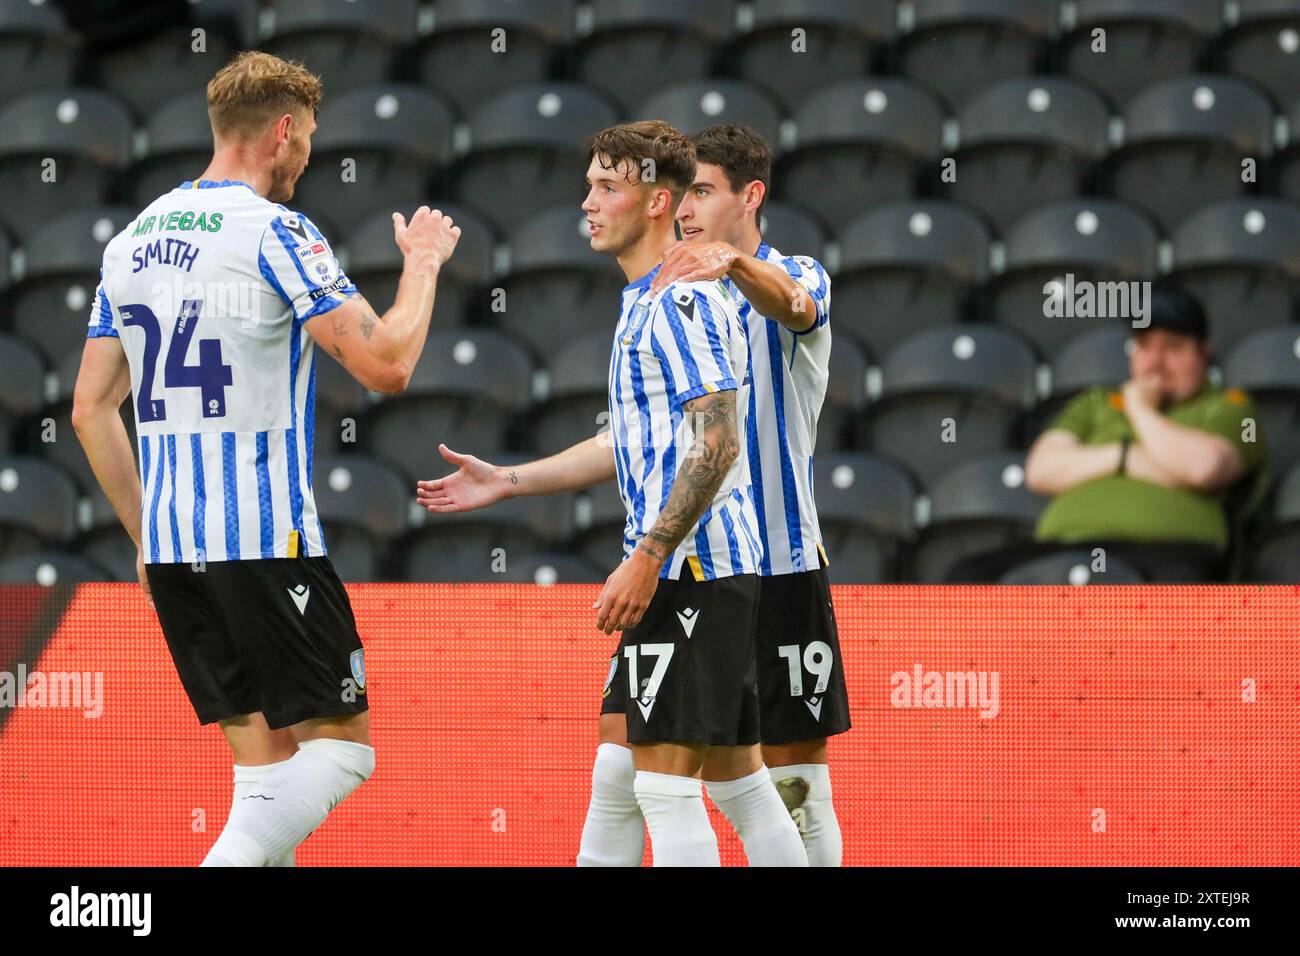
x,y
514,478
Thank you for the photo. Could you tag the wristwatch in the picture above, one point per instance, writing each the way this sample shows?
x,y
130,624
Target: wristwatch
x,y
1123,456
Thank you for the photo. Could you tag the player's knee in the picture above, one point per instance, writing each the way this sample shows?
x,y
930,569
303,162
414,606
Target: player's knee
x,y
788,755
355,759
613,769
731,763
613,729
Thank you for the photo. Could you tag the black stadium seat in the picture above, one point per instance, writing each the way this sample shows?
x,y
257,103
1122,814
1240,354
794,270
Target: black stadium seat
x,y
557,287
363,493
1267,366
66,449
908,265
860,142
340,400
178,147
528,150
464,546
1241,259
1146,41
6,249
697,104
845,401
1184,141
389,138
948,393
790,230
38,504
1064,244
866,510
1264,45
466,387
549,568
599,520
53,301
22,377
347,44
1098,356
1275,558
576,405
957,48
1286,164
37,50
1024,142
50,568
838,39
85,133
1073,567
362,504
131,71
980,505
463,60
111,549
631,49
374,263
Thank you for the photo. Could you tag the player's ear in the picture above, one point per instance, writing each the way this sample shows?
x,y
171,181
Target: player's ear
x,y
283,129
754,194
661,202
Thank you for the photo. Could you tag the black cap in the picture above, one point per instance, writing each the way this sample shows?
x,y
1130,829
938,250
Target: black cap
x,y
1175,310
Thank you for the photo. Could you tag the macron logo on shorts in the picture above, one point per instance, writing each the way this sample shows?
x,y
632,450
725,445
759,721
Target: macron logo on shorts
x,y
301,595
688,618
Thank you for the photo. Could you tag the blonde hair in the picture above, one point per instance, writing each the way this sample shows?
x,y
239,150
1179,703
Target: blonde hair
x,y
255,89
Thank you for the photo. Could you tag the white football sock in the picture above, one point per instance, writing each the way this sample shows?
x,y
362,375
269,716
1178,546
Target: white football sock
x,y
806,790
289,803
680,833
614,832
764,825
246,778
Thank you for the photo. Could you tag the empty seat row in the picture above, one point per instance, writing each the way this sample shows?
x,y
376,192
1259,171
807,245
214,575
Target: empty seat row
x,y
472,49
905,266
1023,142
876,524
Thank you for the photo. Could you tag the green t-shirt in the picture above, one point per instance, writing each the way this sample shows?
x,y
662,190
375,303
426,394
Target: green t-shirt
x,y
1124,508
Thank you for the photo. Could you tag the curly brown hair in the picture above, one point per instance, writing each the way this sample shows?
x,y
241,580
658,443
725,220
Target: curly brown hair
x,y
255,89
671,152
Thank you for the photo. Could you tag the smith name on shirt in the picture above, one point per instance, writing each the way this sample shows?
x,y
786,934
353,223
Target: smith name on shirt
x,y
160,252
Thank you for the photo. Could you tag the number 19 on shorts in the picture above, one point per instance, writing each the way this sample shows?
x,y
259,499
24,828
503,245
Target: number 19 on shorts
x,y
816,658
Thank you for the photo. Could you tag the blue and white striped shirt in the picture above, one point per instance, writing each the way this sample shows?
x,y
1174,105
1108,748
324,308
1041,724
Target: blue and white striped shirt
x,y
789,371
209,289
668,349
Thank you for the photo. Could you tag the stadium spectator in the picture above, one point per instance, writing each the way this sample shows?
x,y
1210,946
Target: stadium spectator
x,y
1145,471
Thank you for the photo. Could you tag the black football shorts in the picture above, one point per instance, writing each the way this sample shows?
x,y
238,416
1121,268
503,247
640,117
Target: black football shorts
x,y
686,673
275,635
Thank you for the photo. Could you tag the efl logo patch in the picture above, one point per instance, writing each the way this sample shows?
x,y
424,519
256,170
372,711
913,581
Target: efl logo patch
x,y
324,269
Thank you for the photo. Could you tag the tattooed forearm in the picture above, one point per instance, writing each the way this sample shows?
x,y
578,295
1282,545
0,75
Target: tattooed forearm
x,y
716,445
339,322
368,321
338,354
